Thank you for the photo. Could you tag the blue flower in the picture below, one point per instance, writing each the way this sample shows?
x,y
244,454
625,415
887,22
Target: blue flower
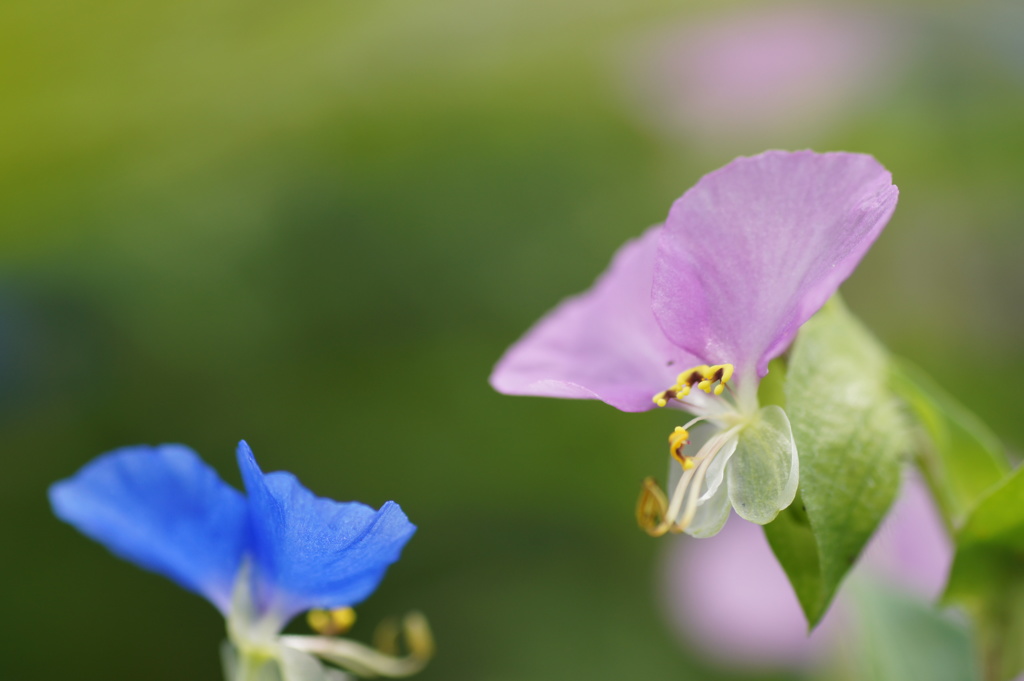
x,y
260,558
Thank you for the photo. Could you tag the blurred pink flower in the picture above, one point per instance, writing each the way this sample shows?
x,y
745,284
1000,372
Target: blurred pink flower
x,y
912,549
767,76
729,598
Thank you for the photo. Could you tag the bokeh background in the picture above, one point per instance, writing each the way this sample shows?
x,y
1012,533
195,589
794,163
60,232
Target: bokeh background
x,y
316,225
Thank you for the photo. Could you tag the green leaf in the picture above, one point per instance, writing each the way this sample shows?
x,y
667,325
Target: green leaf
x,y
998,520
791,539
960,456
967,470
850,436
987,578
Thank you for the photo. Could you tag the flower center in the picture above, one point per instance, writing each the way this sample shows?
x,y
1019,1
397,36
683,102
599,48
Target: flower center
x,y
655,512
710,379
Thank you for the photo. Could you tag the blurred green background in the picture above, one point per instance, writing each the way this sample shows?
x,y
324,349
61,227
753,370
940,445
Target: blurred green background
x,y
316,225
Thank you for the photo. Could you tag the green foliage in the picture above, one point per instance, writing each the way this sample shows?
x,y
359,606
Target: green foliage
x,y
960,456
850,436
986,576
969,475
793,542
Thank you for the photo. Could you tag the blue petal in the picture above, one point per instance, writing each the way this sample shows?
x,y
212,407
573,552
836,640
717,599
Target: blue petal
x,y
163,509
310,552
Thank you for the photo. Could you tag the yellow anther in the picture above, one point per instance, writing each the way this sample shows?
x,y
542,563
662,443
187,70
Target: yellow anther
x,y
691,376
331,622
410,634
703,376
676,441
684,382
414,627
651,508
662,398
719,373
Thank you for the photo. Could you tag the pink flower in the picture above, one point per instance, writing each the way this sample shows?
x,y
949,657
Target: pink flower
x,y
765,72
744,258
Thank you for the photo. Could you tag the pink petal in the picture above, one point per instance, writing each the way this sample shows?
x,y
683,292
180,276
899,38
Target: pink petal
x,y
602,344
756,247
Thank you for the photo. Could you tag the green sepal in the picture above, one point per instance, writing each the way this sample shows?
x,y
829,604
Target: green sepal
x,y
986,578
851,437
960,457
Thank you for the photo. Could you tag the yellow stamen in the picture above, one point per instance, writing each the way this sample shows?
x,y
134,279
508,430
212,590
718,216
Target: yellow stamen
x,y
331,622
651,508
703,376
662,398
678,439
655,512
412,633
719,373
691,376
418,639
